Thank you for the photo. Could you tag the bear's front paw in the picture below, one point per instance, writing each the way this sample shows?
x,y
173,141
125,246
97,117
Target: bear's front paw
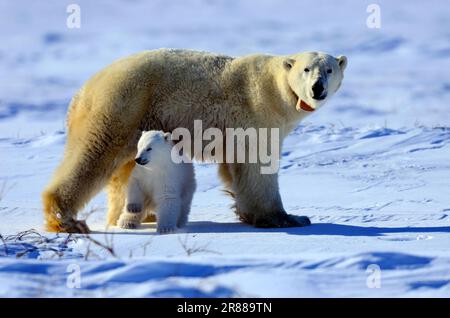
x,y
281,220
299,220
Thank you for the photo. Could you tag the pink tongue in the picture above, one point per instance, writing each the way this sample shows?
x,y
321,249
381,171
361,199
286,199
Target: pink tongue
x,y
304,106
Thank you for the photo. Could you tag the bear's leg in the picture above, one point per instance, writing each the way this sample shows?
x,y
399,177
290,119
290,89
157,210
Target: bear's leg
x,y
75,182
167,214
258,201
117,192
83,172
149,210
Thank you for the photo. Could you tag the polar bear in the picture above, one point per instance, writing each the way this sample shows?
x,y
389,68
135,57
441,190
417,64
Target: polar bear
x,y
158,186
165,89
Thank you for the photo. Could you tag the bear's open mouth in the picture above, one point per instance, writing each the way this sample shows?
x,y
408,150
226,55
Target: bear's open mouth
x,y
301,104
304,106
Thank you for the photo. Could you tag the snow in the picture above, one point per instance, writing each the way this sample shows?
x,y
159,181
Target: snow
x,y
371,168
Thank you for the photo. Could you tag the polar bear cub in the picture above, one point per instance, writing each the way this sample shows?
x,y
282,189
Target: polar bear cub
x,y
158,186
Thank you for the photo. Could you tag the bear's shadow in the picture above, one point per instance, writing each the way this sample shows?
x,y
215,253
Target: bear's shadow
x,y
314,229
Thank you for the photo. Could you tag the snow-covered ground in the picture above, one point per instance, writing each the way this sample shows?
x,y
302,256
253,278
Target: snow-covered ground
x,y
371,168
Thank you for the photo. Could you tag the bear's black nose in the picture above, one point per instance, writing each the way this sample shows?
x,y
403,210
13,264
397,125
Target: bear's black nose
x,y
318,90
140,161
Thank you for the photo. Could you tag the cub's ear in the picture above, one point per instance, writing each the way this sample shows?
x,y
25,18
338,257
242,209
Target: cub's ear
x,y
167,136
288,63
342,61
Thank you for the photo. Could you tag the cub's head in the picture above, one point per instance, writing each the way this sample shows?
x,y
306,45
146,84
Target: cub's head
x,y
154,147
313,77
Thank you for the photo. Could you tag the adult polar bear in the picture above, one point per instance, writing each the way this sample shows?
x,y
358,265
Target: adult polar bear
x,y
166,89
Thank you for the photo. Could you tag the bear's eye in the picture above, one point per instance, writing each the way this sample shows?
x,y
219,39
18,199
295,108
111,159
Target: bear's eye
x,y
149,148
306,70
329,71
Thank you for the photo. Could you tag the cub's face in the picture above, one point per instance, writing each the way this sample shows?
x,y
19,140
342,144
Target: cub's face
x,y
154,147
313,78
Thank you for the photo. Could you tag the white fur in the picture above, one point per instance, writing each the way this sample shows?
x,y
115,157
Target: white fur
x,y
158,186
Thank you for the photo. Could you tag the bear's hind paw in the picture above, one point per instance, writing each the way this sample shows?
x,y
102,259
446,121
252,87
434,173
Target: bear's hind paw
x,y
69,226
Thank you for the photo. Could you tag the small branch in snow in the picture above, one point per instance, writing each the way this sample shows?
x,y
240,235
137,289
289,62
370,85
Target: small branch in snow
x,y
107,246
190,250
33,241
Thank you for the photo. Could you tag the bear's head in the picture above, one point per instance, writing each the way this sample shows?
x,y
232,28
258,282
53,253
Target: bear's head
x,y
313,77
154,148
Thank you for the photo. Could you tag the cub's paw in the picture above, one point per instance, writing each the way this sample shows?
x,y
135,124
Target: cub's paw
x,y
166,229
126,223
134,207
182,222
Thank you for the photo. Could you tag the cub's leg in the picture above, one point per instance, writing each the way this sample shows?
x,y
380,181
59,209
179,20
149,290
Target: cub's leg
x,y
167,213
186,201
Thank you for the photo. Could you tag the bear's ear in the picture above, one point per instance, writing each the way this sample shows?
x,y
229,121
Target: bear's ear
x,y
342,61
288,63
